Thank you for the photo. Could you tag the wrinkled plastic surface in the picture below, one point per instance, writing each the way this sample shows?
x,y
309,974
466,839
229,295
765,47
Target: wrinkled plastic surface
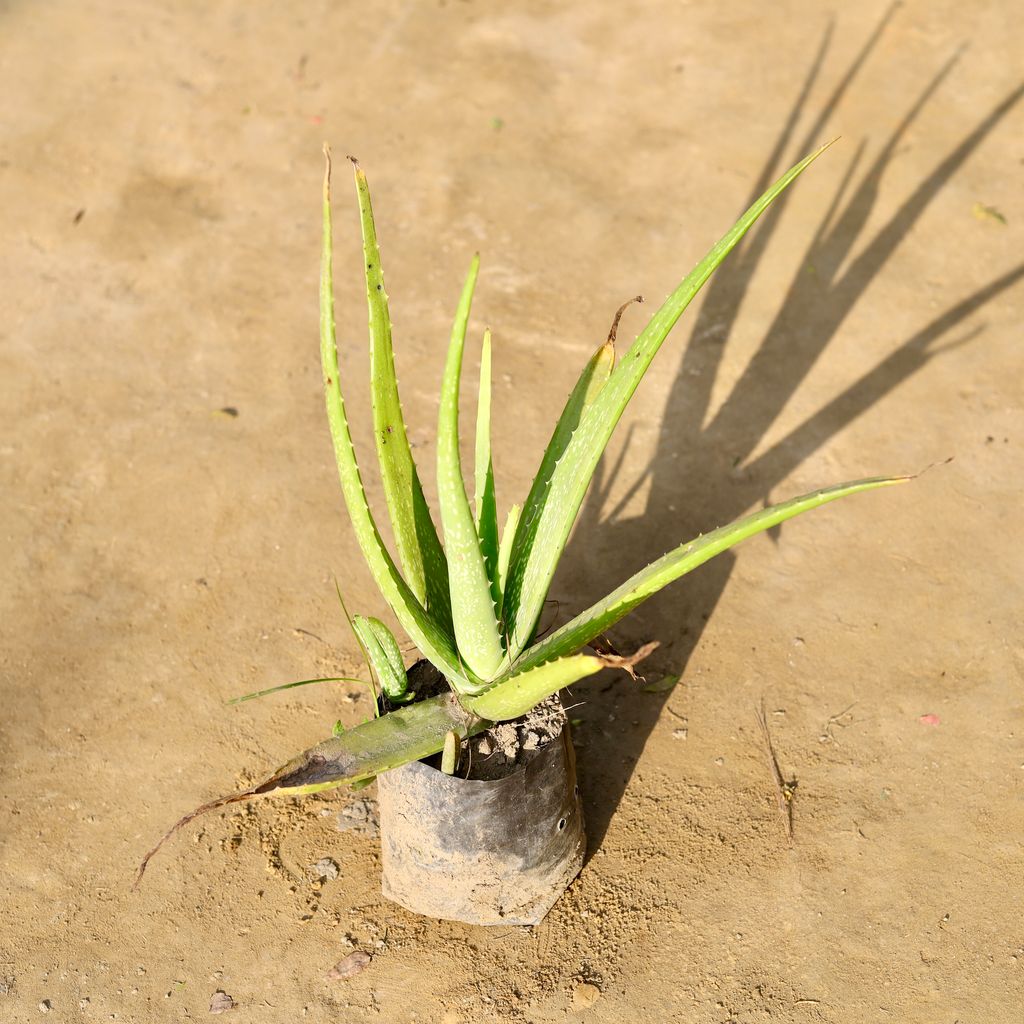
x,y
496,852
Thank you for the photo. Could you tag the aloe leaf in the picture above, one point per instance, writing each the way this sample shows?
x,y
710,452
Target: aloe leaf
x,y
516,695
384,653
473,617
486,507
406,734
505,552
593,378
419,549
299,682
545,526
422,629
683,559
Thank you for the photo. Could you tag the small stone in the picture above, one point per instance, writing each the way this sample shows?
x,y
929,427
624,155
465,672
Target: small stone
x,y
584,995
507,739
361,816
679,734
326,868
83,1003
45,1006
352,965
221,1002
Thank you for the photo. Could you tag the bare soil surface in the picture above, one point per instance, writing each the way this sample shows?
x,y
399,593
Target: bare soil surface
x,y
172,521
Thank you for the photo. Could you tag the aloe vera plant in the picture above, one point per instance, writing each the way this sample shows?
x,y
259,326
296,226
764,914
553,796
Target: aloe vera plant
x,y
471,605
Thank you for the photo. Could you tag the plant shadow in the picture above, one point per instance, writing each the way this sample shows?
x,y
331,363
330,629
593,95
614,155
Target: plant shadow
x,y
717,448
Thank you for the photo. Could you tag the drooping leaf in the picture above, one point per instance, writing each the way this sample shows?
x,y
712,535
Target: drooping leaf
x,y
299,682
419,549
356,755
422,629
473,618
545,528
486,507
683,559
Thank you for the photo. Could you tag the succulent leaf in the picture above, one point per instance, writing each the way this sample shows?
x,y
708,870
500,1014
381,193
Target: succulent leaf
x,y
522,691
593,378
473,616
683,559
486,507
515,696
546,524
384,654
419,549
505,552
421,627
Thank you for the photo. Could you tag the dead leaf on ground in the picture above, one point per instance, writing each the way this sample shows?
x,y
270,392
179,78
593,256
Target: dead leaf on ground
x,y
990,213
662,685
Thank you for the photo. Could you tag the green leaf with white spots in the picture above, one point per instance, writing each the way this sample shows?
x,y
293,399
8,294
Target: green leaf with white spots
x,y
383,651
545,525
419,549
678,562
473,617
430,638
485,504
508,535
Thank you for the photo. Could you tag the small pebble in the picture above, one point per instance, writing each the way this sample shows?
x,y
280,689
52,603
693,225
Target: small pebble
x,y
221,1002
352,965
326,868
584,995
679,734
45,1006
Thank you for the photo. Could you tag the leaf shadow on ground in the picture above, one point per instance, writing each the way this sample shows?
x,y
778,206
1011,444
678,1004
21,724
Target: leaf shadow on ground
x,y
714,450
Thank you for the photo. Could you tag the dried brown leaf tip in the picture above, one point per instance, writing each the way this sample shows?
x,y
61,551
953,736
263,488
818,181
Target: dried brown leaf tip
x,y
627,661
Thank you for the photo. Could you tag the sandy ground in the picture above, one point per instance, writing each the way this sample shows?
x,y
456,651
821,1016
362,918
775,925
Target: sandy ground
x,y
159,181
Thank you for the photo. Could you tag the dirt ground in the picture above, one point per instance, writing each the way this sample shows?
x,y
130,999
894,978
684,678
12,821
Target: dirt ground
x,y
172,521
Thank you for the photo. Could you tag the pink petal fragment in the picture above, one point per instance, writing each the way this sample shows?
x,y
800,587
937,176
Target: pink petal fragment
x,y
929,719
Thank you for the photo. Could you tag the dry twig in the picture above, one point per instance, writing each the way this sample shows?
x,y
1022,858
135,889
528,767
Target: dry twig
x,y
785,791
